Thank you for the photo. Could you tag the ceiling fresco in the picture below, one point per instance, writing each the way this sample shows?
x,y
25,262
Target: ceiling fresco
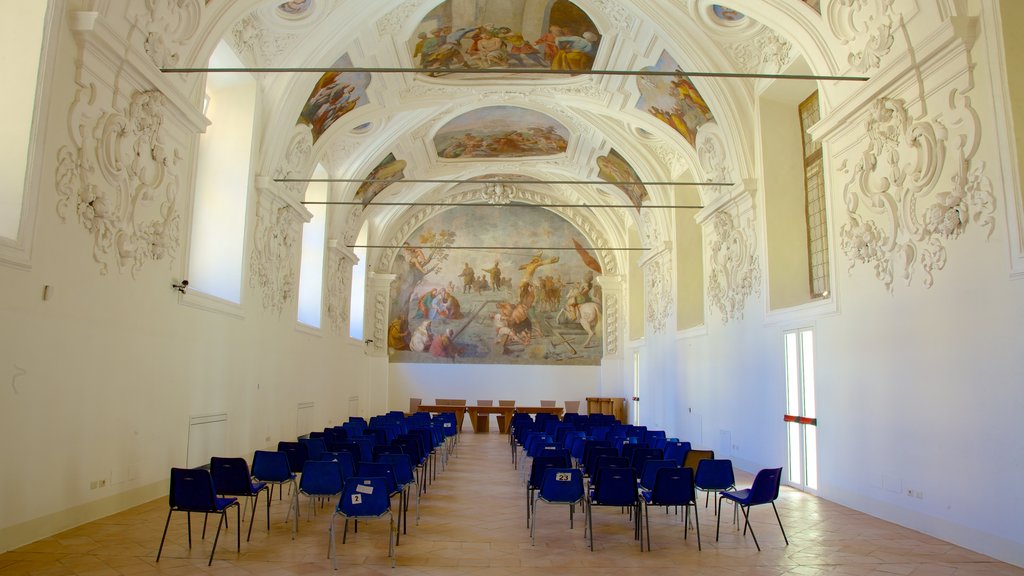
x,y
496,305
673,99
333,96
390,170
295,7
614,168
501,132
459,35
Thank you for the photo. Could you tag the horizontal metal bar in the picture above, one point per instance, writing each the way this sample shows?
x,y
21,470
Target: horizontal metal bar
x,y
504,71
514,181
535,248
489,205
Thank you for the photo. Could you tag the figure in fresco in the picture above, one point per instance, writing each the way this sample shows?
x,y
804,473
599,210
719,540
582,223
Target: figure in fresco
x,y
446,307
548,42
521,50
425,304
421,338
467,275
530,268
443,345
416,257
495,272
398,333
488,50
574,52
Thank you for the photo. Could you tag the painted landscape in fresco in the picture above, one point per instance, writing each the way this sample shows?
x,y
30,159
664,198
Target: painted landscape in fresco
x,y
509,34
390,170
674,100
486,306
614,168
501,132
335,94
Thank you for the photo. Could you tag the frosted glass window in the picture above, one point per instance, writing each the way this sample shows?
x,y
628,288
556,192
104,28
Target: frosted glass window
x,y
21,41
358,300
802,436
814,185
222,182
311,272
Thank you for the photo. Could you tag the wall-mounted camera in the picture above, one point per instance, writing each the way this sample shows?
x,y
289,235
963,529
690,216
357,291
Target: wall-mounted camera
x,y
180,287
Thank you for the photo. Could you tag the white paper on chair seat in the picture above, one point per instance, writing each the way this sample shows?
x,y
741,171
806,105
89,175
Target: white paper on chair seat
x,y
362,488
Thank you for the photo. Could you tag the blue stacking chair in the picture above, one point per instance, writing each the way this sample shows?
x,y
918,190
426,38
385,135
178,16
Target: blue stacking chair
x,y
320,479
649,473
362,499
557,486
273,468
764,490
672,487
231,477
590,460
191,491
615,487
297,454
346,463
314,447
677,451
714,476
402,466
641,455
538,466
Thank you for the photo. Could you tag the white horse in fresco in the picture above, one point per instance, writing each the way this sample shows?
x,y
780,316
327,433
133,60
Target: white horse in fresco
x,y
586,313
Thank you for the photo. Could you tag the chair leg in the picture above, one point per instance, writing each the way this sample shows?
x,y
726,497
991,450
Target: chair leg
x,y
696,520
590,525
332,546
166,524
252,518
780,523
188,521
647,519
718,523
222,520
344,534
746,524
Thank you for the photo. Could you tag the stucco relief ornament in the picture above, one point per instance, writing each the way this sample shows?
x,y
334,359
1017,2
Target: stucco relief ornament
x,y
657,277
611,324
735,272
337,297
167,25
119,179
866,26
271,262
767,48
897,181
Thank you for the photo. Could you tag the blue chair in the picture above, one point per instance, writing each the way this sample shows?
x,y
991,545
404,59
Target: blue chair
x,y
273,468
537,467
405,477
677,451
320,479
191,491
231,477
615,487
297,454
764,490
314,447
346,464
558,486
672,487
649,473
714,476
641,455
363,498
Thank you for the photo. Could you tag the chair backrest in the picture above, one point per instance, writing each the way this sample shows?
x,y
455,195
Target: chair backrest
x,y
615,487
642,455
677,451
231,476
673,487
414,404
628,448
401,465
714,475
346,462
649,472
297,454
590,458
561,485
485,402
542,463
192,490
506,402
547,403
364,497
693,457
602,462
450,401
381,469
321,478
572,406
765,488
314,447
270,466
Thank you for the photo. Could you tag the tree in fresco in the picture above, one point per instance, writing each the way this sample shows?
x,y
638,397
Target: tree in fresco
x,y
417,262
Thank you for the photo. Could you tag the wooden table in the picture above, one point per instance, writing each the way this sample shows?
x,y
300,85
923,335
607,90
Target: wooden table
x,y
480,417
541,410
459,411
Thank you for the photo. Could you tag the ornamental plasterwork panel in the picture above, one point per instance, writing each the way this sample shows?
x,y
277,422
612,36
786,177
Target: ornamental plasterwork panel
x,y
767,49
658,290
713,157
167,25
620,18
274,257
391,23
119,177
611,308
380,322
735,273
296,160
251,38
866,28
338,292
670,156
901,210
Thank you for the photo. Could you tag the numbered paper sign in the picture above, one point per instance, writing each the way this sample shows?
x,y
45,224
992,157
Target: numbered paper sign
x,y
364,489
357,498
562,476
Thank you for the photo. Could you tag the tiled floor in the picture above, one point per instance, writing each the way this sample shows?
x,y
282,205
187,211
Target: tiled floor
x,y
474,522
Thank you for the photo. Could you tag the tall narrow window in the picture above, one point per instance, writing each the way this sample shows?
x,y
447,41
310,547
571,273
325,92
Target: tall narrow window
x,y
21,40
814,186
311,270
355,327
801,421
216,245
636,388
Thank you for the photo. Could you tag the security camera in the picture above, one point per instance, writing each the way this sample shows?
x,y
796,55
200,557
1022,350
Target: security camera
x,y
180,287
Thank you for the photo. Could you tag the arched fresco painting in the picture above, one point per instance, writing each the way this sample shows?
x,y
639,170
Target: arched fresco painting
x,y
501,132
673,99
295,7
333,96
614,168
458,34
390,170
453,303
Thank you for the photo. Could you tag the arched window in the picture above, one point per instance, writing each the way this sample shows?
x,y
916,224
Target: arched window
x,y
222,182
311,272
358,300
22,51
